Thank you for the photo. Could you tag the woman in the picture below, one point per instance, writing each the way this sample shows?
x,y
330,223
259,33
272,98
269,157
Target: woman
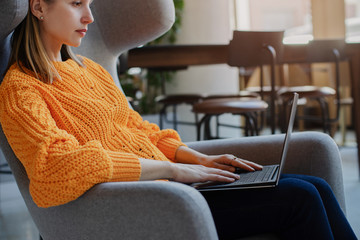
x,y
71,128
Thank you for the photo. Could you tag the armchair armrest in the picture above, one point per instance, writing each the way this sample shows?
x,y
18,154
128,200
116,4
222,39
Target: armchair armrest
x,y
169,210
130,210
120,210
310,153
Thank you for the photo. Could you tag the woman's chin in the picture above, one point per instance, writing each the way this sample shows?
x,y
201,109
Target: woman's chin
x,y
74,44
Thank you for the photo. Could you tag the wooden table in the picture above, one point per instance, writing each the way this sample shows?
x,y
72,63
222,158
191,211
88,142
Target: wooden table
x,y
176,56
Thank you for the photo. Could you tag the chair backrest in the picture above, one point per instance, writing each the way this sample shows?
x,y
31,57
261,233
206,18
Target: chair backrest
x,y
4,55
316,51
319,51
326,50
11,14
135,23
329,50
250,48
119,26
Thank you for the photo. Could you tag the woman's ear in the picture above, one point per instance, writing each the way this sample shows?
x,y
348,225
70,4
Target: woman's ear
x,y
36,8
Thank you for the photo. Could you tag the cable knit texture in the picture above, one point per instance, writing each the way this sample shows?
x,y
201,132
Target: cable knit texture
x,y
76,132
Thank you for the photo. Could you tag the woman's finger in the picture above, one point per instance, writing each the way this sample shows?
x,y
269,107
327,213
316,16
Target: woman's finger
x,y
225,167
229,163
252,164
220,178
188,173
244,164
220,172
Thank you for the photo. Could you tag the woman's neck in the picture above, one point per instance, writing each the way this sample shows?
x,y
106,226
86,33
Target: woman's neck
x,y
53,49
55,57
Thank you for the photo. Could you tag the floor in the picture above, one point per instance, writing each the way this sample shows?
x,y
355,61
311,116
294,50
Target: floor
x,y
16,223
352,186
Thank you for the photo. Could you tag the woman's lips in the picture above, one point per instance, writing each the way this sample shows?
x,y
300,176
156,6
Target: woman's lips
x,y
82,32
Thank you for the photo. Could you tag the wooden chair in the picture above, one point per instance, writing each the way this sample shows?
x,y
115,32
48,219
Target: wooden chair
x,y
246,107
246,49
250,49
165,100
173,101
317,51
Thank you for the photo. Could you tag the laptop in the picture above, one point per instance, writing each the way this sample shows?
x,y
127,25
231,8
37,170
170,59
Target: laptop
x,y
270,174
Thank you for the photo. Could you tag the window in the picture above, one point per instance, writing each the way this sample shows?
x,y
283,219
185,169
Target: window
x,y
352,21
269,15
292,16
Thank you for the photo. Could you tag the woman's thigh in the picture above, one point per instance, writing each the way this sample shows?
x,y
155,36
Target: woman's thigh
x,y
340,226
293,209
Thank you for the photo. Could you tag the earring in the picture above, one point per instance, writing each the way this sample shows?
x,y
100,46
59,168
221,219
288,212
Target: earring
x,y
41,18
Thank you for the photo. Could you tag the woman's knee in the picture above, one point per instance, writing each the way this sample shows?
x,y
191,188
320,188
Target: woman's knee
x,y
300,190
308,211
320,184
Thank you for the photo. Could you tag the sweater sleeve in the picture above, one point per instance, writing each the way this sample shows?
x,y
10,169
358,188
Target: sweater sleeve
x,y
167,140
59,168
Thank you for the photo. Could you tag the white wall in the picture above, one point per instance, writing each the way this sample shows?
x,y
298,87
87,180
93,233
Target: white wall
x,y
204,22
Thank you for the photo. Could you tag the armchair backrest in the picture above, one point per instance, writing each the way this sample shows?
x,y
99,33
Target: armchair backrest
x,y
4,54
12,13
119,25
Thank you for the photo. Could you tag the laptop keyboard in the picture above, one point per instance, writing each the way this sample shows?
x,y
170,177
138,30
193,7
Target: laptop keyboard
x,y
258,176
266,175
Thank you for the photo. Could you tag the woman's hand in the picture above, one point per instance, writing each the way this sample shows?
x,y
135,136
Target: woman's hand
x,y
191,173
185,173
228,162
192,167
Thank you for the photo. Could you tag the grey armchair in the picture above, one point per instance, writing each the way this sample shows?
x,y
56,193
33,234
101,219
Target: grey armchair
x,y
151,210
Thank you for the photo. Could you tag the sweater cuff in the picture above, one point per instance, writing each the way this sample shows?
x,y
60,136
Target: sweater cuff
x,y
125,167
168,147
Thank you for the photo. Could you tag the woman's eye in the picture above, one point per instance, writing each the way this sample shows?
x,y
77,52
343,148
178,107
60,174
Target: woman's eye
x,y
77,3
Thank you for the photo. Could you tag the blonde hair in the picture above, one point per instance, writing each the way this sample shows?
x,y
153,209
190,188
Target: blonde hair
x,y
28,50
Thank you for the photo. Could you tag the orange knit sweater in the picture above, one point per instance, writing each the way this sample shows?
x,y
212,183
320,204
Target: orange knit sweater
x,y
76,132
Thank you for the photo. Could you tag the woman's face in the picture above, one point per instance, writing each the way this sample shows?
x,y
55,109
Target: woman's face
x,y
64,22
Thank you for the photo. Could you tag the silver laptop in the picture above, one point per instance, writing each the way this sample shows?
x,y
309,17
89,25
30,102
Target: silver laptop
x,y
268,177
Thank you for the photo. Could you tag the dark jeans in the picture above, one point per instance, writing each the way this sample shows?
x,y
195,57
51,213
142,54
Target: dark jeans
x,y
300,207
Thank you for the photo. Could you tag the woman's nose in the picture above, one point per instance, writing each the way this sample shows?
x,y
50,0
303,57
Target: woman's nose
x,y
87,17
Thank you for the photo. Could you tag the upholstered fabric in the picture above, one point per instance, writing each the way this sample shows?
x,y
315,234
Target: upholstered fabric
x,y
12,12
135,23
122,210
4,55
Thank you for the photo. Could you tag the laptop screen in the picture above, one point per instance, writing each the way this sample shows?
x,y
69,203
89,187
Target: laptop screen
x,y
288,134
